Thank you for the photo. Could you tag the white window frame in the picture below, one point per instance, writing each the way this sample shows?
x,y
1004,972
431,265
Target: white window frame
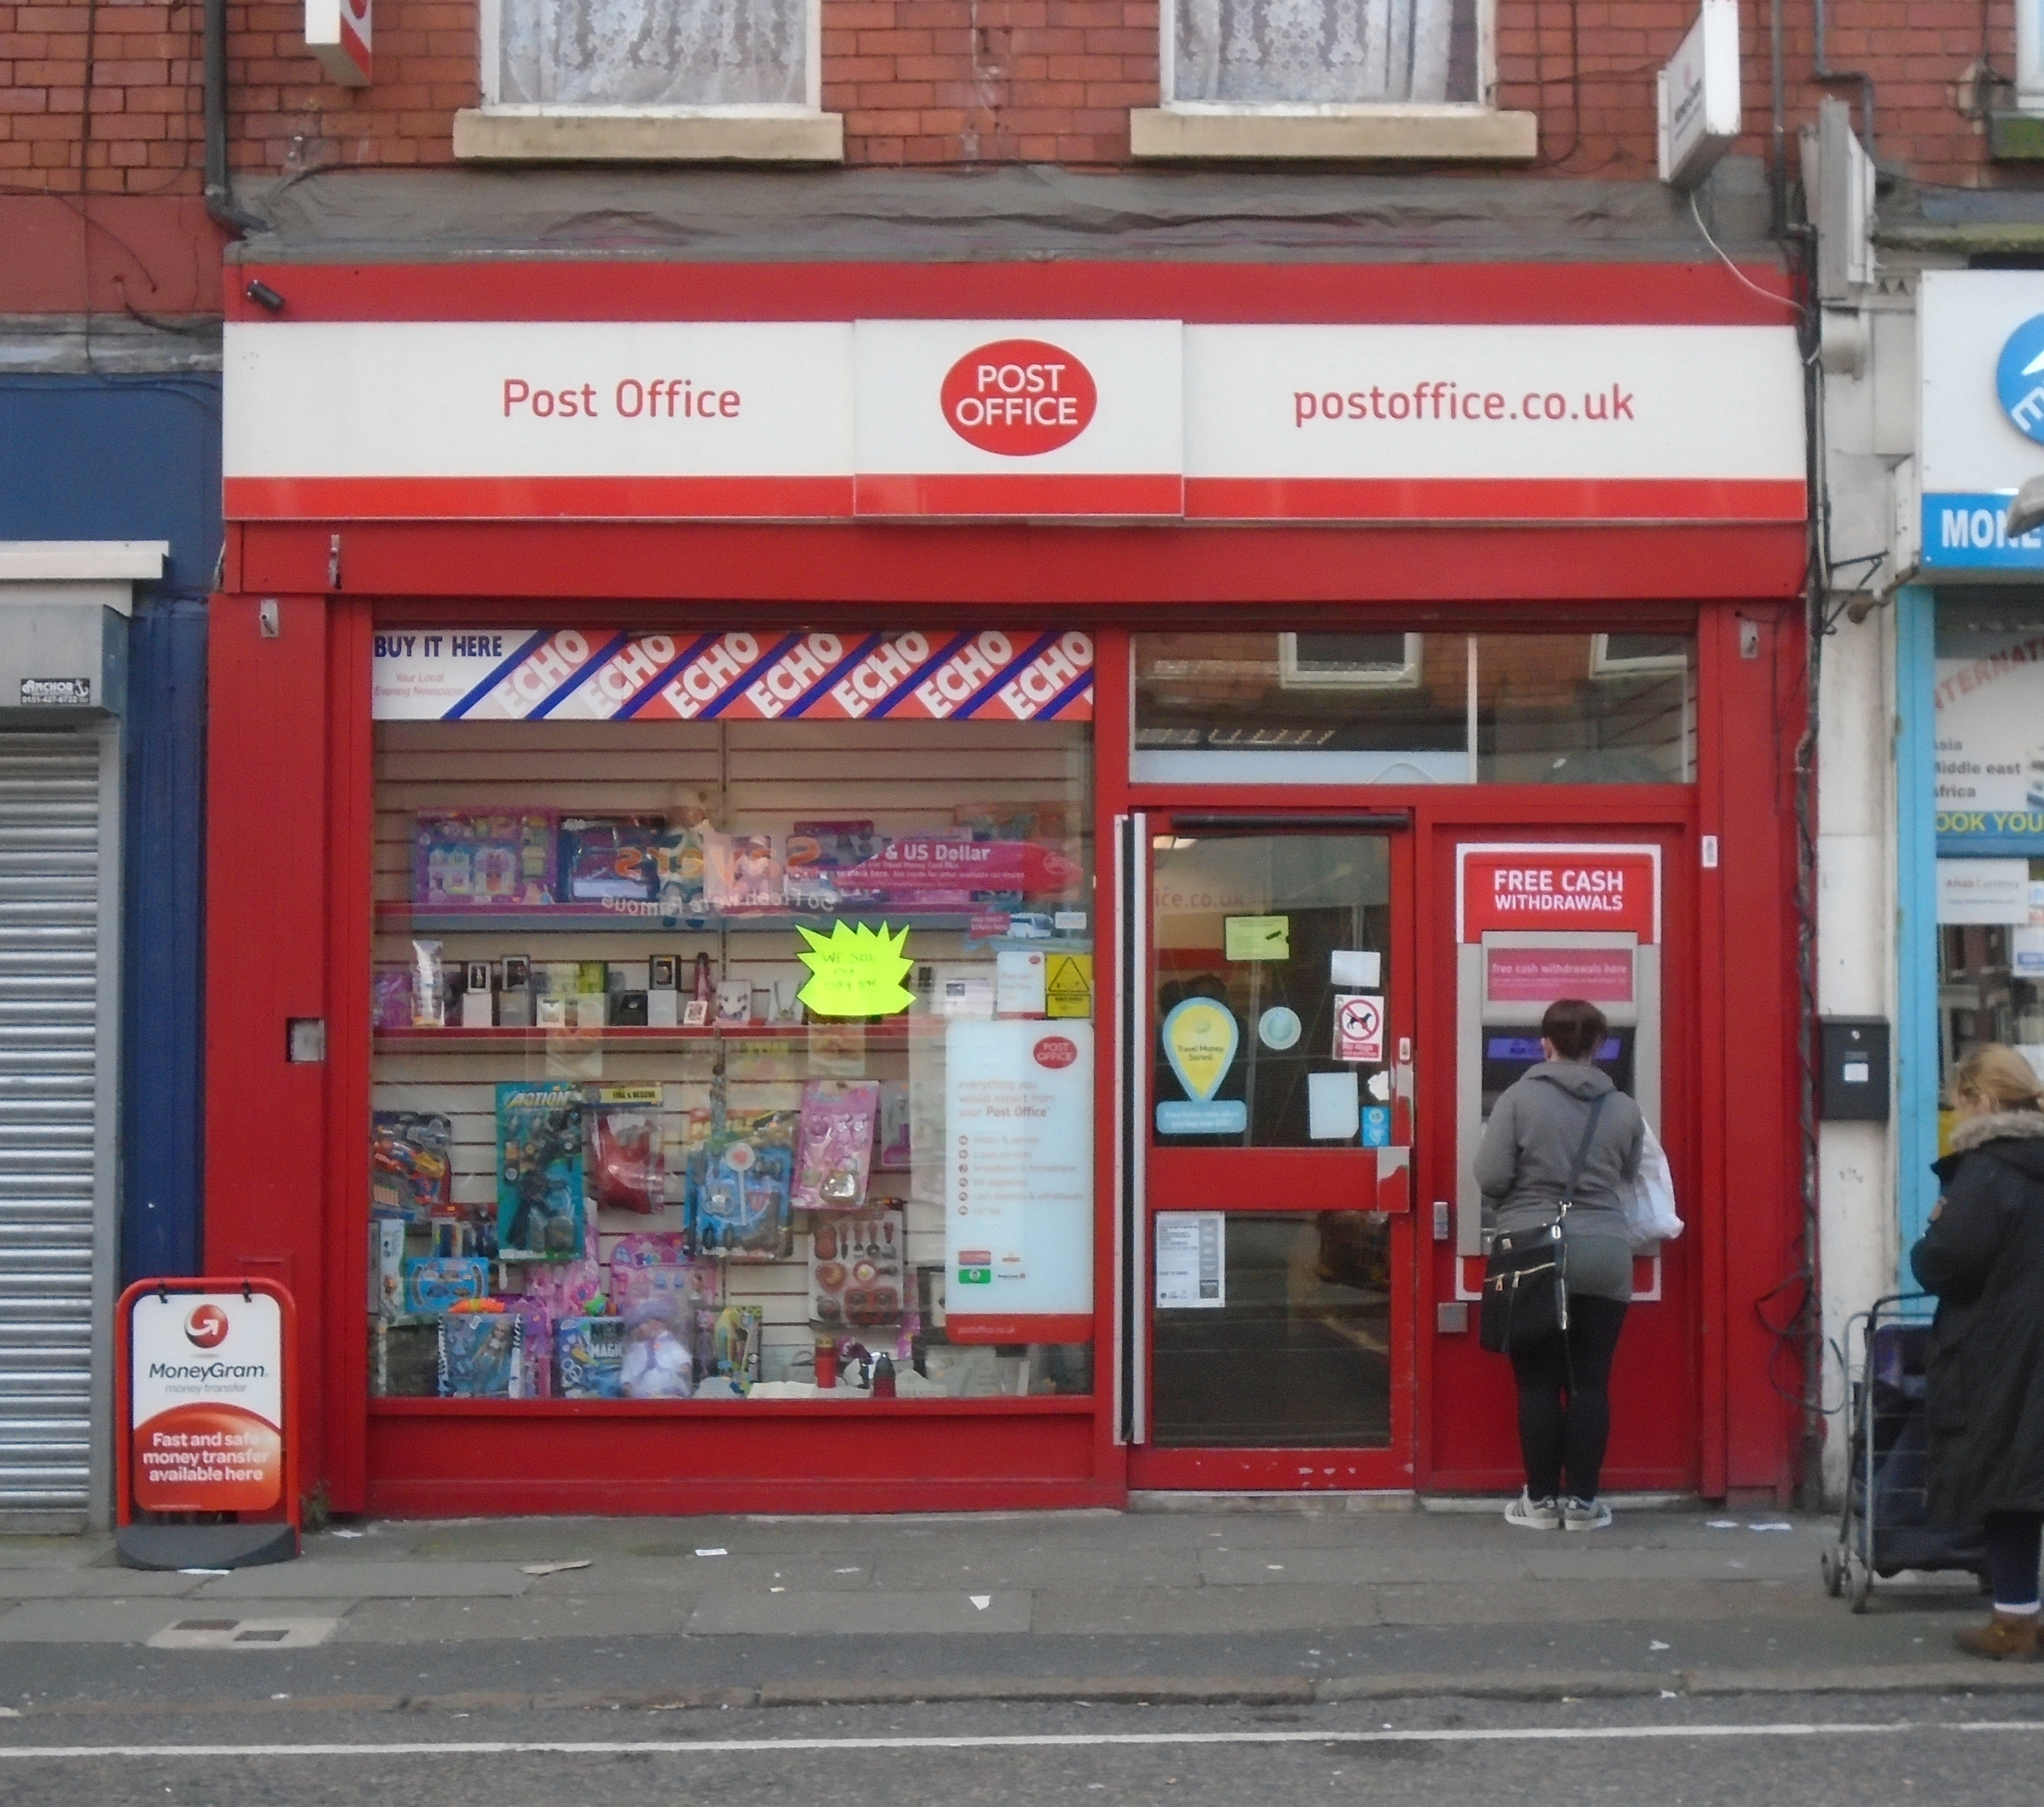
x,y
2030,55
1604,667
490,38
1401,677
1486,83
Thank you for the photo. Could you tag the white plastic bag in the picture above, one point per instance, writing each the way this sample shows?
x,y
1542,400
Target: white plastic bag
x,y
1650,1201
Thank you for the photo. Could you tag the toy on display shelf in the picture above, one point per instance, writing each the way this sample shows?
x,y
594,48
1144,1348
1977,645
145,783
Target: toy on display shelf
x,y
624,1161
738,1203
537,1354
604,859
482,1352
645,1267
410,1170
894,1149
434,1283
741,871
589,1358
483,859
856,1267
678,876
429,986
390,997
657,1362
834,1154
816,857
733,1364
540,1169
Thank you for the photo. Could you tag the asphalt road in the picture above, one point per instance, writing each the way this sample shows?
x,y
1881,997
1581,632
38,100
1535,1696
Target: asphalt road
x,y
1444,1752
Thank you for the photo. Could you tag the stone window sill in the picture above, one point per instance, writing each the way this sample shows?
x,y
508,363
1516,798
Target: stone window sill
x,y
2015,137
495,135
1365,135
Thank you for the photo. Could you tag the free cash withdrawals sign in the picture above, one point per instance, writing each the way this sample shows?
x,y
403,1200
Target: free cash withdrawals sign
x,y
206,1402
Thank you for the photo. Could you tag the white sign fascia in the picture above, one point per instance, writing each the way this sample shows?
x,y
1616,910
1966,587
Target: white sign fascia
x,y
1698,96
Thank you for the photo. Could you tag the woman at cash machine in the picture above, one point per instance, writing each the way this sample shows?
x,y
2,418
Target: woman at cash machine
x,y
1534,1140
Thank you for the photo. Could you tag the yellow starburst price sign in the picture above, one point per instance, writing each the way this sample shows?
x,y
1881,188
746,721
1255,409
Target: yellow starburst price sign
x,y
855,972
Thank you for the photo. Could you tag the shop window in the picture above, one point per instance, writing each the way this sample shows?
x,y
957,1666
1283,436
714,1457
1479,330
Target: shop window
x,y
1989,699
1453,709
732,1014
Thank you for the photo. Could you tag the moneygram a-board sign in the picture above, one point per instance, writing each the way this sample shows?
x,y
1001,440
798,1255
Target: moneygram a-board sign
x,y
206,1387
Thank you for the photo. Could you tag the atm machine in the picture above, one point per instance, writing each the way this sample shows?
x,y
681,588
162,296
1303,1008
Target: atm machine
x,y
1598,906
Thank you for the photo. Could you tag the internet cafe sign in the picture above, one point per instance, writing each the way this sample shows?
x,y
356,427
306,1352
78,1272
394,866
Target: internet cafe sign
x,y
1989,724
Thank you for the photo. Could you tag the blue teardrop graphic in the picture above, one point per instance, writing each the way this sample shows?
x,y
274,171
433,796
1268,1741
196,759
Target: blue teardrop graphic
x,y
1200,1037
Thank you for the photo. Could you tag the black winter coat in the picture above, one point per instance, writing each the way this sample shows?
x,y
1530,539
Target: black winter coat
x,y
1984,1257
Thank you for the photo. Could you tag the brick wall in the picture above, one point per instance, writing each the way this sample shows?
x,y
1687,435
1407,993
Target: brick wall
x,y
922,81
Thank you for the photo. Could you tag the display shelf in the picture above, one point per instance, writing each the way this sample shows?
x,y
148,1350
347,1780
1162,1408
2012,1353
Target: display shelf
x,y
1008,1405
587,919
893,1029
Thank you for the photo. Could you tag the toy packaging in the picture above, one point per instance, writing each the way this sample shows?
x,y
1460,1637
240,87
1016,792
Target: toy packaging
x,y
835,1153
659,1362
537,1357
386,1267
409,1163
481,1354
646,1267
434,1283
483,859
390,997
739,1208
741,871
540,1169
625,1165
734,1348
677,861
895,1150
429,988
607,857
404,1360
855,1269
589,1358
818,856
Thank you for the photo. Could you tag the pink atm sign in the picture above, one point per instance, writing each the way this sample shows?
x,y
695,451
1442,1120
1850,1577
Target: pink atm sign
x,y
1539,975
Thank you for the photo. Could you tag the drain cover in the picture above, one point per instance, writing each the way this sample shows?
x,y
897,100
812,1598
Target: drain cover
x,y
243,1634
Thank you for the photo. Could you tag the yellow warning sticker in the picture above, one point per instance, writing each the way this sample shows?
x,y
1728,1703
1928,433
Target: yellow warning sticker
x,y
1068,985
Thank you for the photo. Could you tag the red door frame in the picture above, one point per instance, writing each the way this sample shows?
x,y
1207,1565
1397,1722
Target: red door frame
x,y
1219,1179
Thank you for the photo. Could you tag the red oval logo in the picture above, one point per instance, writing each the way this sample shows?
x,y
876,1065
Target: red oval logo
x,y
1055,1051
206,1327
1019,398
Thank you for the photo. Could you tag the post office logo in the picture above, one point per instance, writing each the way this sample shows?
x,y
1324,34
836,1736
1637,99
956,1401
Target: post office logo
x,y
2019,377
1056,1051
1019,398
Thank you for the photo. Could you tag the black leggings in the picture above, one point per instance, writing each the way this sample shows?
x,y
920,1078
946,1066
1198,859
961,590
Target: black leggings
x,y
2013,1539
1564,1408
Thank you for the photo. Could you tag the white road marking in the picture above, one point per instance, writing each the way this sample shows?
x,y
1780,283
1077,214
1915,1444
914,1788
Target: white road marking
x,y
1011,1741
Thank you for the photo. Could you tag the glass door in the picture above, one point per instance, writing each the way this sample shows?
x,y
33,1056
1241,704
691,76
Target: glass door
x,y
1277,1134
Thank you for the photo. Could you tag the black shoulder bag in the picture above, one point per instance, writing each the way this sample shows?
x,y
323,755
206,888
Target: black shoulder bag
x,y
1526,1282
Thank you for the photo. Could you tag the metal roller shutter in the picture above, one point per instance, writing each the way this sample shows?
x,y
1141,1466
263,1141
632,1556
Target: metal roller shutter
x,y
49,936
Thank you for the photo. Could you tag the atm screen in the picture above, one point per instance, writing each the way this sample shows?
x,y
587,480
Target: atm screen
x,y
1508,1055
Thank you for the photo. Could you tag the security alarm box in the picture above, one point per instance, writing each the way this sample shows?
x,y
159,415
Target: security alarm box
x,y
1853,1083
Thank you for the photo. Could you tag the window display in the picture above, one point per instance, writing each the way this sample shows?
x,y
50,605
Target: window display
x,y
689,952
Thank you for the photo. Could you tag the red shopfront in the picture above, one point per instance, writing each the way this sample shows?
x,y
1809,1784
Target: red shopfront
x,y
1013,819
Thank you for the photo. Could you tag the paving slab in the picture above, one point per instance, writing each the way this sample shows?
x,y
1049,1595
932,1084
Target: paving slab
x,y
314,1577
529,1619
1552,1603
1750,1561
1205,1611
977,1568
1359,1565
98,1584
726,1615
693,1575
124,1621
54,1552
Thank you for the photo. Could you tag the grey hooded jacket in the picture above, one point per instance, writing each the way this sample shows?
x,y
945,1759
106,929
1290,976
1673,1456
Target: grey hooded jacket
x,y
1523,1165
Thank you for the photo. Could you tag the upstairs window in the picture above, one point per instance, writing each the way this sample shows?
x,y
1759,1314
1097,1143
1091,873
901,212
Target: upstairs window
x,y
641,55
1280,53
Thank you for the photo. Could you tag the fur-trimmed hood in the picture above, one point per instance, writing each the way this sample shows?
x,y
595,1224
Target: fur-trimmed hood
x,y
1997,1126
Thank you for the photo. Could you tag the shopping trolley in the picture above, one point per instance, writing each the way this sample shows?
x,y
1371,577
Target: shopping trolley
x,y
1885,1526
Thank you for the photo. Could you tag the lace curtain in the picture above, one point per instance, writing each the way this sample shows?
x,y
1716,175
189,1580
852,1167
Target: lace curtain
x,y
655,52
1266,52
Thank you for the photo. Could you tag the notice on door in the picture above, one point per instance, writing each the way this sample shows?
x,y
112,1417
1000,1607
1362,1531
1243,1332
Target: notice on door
x,y
1192,1260
1018,1182
1358,1028
206,1402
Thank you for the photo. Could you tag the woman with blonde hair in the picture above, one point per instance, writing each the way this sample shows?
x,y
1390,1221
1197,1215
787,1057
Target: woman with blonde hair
x,y
1982,1256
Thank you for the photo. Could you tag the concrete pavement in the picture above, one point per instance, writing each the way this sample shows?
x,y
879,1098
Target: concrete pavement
x,y
1338,1599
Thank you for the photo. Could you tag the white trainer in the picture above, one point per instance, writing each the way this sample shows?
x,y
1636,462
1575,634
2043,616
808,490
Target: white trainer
x,y
1585,1515
1530,1514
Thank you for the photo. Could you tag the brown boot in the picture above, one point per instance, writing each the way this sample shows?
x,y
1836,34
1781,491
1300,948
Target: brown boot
x,y
2007,1637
